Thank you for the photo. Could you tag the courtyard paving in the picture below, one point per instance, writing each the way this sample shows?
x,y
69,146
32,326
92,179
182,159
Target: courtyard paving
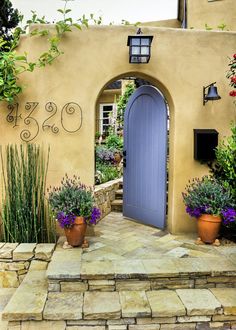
x,y
119,238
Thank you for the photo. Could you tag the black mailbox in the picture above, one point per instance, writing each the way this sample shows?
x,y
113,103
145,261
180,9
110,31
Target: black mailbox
x,y
205,142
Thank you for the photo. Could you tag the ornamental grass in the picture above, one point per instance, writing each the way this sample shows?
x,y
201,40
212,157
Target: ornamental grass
x,y
25,212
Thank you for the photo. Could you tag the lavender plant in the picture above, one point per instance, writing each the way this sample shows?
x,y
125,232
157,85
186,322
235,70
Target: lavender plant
x,y
104,155
73,199
208,196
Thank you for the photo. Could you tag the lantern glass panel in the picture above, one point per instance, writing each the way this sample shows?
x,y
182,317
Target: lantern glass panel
x,y
143,59
135,59
145,41
135,50
144,50
135,41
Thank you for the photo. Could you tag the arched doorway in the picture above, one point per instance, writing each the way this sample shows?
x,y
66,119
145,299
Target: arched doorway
x,y
105,99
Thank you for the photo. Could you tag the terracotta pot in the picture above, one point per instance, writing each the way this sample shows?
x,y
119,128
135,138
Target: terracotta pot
x,y
117,157
75,235
208,227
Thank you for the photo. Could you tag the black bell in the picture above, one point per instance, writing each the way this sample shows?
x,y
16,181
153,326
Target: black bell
x,y
211,95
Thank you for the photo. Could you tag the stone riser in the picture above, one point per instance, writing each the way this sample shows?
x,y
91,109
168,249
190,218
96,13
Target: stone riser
x,y
116,208
204,282
179,323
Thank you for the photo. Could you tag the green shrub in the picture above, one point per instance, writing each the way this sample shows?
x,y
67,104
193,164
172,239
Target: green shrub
x,y
114,142
224,168
106,173
25,212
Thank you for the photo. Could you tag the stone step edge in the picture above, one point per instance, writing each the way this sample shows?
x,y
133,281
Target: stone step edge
x,y
141,277
28,301
216,306
117,202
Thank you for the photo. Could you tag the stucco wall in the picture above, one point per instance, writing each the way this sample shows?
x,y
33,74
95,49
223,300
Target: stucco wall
x,y
171,23
212,13
182,62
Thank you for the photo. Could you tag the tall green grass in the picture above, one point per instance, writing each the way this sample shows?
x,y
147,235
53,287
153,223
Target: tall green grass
x,y
25,212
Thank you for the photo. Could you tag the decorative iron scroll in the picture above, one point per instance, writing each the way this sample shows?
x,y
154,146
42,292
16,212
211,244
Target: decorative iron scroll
x,y
26,135
71,119
70,109
50,107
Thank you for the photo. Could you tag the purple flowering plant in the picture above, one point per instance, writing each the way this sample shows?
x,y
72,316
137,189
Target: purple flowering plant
x,y
104,155
209,196
229,217
71,199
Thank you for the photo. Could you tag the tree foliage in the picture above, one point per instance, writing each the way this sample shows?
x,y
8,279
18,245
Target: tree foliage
x,y
9,19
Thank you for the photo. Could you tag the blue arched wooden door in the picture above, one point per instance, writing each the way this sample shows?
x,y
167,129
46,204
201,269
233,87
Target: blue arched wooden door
x,y
145,149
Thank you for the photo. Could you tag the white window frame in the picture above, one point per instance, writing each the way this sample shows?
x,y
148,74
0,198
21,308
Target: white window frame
x,y
101,111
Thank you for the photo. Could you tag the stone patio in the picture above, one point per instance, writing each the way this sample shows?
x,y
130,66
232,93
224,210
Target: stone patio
x,y
132,277
118,238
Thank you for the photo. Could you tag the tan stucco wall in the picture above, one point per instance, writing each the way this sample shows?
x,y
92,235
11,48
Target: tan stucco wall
x,y
172,23
212,13
182,62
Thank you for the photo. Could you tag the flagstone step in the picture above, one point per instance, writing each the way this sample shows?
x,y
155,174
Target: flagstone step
x,y
158,309
69,272
119,194
28,301
117,205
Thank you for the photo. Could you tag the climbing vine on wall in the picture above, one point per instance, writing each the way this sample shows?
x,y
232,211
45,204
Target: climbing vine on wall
x,y
12,65
122,102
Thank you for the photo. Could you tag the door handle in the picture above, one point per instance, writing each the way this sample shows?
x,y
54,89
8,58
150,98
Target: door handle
x,y
124,158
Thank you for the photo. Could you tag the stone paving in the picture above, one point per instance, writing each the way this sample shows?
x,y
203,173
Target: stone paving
x,y
118,238
132,277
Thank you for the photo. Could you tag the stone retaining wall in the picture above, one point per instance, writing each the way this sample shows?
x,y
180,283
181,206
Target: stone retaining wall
x,y
191,282
164,323
105,194
15,260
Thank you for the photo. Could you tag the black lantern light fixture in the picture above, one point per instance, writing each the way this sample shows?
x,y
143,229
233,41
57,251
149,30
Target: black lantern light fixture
x,y
139,48
212,93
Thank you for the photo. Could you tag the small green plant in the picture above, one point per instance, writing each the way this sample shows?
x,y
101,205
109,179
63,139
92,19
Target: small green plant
x,y
207,27
25,214
105,172
122,102
114,142
222,26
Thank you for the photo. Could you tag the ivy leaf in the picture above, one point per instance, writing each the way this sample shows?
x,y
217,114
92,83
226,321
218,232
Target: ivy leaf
x,y
21,58
77,26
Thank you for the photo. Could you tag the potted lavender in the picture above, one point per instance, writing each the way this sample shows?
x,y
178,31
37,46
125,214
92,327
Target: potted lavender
x,y
73,205
210,202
